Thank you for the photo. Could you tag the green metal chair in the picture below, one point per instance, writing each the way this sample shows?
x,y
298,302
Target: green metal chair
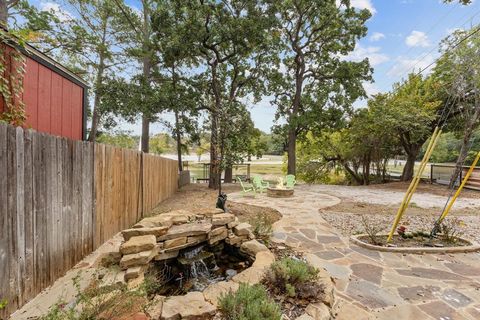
x,y
259,184
247,188
290,181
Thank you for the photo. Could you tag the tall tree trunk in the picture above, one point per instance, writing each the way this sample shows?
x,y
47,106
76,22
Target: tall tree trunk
x,y
178,134
292,157
467,135
3,14
214,167
145,134
408,169
297,99
98,83
178,137
228,175
147,65
215,172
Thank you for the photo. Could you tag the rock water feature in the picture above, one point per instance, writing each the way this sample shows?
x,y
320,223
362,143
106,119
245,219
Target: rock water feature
x,y
193,257
198,267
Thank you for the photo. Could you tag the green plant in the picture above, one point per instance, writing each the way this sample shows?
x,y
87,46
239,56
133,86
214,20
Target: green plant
x,y
3,303
293,278
99,302
371,229
262,226
12,71
248,303
450,229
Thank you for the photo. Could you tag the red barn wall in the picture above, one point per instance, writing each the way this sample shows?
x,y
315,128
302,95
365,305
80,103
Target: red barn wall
x,y
53,103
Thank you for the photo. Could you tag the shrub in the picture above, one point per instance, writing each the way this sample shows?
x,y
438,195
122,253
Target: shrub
x,y
293,278
451,229
262,226
107,302
249,303
371,230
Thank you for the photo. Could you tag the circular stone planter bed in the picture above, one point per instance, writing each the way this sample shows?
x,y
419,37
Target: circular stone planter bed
x,y
279,193
412,245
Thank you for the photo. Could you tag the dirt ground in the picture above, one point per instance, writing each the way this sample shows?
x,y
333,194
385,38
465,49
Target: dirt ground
x,y
436,189
198,195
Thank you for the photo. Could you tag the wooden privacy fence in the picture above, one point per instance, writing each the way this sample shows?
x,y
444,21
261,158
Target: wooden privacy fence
x,y
60,199
441,173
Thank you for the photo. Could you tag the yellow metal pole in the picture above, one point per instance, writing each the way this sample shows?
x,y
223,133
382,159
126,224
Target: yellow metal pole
x,y
411,187
465,179
420,171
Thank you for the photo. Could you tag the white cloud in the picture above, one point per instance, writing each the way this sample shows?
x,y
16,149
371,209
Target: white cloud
x,y
372,53
361,4
62,14
371,88
377,36
417,39
364,4
403,65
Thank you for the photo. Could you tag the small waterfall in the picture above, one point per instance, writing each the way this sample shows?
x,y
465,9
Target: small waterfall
x,y
194,258
199,269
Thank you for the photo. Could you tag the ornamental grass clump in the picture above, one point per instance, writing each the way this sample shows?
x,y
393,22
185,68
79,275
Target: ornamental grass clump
x,y
249,303
294,278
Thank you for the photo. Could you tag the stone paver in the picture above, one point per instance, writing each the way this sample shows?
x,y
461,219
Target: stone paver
x,y
370,284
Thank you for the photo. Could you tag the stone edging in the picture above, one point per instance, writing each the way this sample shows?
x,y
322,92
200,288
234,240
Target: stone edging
x,y
474,247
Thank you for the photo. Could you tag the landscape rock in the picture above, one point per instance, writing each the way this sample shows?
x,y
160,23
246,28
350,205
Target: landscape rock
x,y
154,311
136,282
252,247
174,243
242,229
138,244
197,239
216,232
232,224
328,287
263,259
186,230
318,311
213,292
133,272
113,277
137,259
219,237
162,255
156,231
222,219
251,276
154,221
208,212
233,239
191,306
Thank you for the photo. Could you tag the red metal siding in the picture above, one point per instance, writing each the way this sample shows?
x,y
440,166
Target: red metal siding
x,y
53,103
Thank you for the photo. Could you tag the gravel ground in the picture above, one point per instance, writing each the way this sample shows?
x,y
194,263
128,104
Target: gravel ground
x,y
392,194
379,205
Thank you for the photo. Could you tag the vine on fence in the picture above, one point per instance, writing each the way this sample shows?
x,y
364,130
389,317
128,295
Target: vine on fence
x,y
12,71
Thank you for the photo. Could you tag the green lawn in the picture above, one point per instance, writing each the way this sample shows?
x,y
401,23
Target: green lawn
x,y
196,170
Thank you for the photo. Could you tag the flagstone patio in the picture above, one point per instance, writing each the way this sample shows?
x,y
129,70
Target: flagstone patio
x,y
371,284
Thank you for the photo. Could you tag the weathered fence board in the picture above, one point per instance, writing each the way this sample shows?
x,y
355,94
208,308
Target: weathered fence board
x,y
61,199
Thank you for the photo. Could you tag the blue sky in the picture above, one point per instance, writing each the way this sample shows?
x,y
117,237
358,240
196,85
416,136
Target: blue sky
x,y
403,35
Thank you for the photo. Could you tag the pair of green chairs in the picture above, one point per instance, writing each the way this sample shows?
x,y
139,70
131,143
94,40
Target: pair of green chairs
x,y
259,185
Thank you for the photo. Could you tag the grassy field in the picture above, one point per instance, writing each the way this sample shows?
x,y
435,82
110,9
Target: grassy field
x,y
268,171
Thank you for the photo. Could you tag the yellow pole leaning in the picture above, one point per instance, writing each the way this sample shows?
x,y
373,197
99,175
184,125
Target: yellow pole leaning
x,y
421,169
465,179
411,187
